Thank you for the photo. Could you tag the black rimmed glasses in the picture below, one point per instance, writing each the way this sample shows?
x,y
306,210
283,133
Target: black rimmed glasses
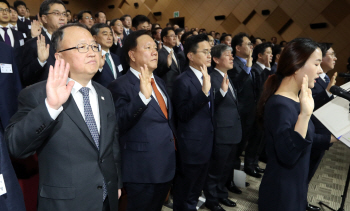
x,y
84,48
58,14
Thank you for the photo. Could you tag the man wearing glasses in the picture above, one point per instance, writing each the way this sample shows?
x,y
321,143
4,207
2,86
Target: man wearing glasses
x,y
38,53
85,17
69,120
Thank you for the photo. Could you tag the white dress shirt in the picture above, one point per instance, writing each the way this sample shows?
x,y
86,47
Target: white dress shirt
x,y
143,98
15,27
78,98
263,66
112,62
9,32
199,75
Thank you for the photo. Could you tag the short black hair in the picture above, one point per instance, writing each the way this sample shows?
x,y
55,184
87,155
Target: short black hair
x,y
81,13
185,35
154,31
130,42
238,40
283,41
260,49
165,32
95,29
325,47
191,44
5,2
113,21
276,49
18,3
68,11
57,36
46,5
11,7
223,37
217,33
97,14
254,40
124,16
179,30
139,19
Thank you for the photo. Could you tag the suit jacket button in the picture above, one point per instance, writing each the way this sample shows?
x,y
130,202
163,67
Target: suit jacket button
x,y
99,187
102,160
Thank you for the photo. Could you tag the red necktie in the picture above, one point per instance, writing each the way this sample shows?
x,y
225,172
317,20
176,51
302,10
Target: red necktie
x,y
120,42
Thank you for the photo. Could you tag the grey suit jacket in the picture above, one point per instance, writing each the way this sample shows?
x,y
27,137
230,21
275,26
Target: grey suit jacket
x,y
71,168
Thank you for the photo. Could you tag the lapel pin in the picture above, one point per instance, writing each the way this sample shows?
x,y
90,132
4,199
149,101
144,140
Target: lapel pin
x,y
102,98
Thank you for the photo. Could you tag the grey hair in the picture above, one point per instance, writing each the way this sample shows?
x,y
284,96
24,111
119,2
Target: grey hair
x,y
217,50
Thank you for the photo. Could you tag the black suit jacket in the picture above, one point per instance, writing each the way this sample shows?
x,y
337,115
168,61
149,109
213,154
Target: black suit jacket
x,y
23,27
168,74
31,69
228,129
10,86
117,49
244,84
105,77
319,93
181,57
72,169
17,37
146,135
260,76
195,119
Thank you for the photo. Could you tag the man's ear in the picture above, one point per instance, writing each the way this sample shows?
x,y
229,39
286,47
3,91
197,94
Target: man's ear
x,y
132,56
58,56
190,56
94,36
216,60
238,48
44,19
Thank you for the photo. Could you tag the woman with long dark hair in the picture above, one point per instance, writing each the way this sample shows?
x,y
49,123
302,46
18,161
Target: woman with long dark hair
x,y
289,132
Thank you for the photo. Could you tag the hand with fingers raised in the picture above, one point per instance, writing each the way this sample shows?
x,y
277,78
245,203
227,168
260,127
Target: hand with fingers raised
x,y
224,84
305,97
43,49
206,80
145,82
57,89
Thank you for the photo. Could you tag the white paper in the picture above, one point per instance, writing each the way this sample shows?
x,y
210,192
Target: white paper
x,y
21,42
2,185
239,178
24,35
29,26
6,68
120,68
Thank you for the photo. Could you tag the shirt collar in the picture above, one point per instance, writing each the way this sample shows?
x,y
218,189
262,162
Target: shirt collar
x,y
77,86
261,65
104,52
322,76
221,73
242,60
8,26
136,73
167,48
197,73
47,33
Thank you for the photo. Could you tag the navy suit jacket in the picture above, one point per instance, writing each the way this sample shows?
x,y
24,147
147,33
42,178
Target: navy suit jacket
x,y
23,27
260,76
195,119
146,135
228,129
13,199
319,93
10,86
31,70
105,77
17,36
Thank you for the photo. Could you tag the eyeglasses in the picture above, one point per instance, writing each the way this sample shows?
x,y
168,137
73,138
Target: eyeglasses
x,y
332,54
5,10
206,52
84,48
87,17
58,14
173,35
250,44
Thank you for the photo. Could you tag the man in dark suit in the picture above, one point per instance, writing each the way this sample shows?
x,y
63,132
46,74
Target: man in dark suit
x,y
38,53
100,17
72,127
194,106
22,23
228,130
321,95
112,68
276,51
85,17
156,35
261,70
118,41
144,113
126,20
168,65
242,79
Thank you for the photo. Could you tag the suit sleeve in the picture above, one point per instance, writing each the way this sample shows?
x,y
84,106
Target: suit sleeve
x,y
162,67
30,67
320,98
238,78
288,144
185,104
29,127
128,108
218,98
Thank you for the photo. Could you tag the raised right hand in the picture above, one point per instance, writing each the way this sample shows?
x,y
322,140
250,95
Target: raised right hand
x,y
305,97
43,49
57,89
250,58
145,82
36,28
206,80
332,82
169,59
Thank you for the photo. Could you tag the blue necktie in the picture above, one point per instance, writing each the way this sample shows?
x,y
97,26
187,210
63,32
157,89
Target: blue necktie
x,y
6,36
90,122
326,78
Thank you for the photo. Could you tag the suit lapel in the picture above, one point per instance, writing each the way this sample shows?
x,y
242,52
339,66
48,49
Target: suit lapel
x,y
322,83
194,79
108,70
72,110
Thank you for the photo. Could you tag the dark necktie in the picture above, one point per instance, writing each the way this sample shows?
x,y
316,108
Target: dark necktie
x,y
120,42
90,122
109,62
327,80
6,36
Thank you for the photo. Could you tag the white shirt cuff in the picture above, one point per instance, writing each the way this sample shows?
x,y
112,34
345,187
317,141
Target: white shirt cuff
x,y
328,93
42,63
143,98
222,92
53,112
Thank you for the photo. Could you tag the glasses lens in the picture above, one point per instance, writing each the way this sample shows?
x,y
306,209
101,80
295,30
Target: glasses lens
x,y
82,48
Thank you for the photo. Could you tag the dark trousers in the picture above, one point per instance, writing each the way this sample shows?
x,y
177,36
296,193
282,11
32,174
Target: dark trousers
x,y
254,147
188,185
146,197
316,156
106,205
220,168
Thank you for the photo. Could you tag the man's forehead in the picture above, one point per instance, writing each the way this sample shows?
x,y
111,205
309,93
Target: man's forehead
x,y
57,7
105,29
86,14
3,5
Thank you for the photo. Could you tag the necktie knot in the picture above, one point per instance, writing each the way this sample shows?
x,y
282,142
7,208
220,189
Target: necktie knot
x,y
5,29
84,91
107,54
326,78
